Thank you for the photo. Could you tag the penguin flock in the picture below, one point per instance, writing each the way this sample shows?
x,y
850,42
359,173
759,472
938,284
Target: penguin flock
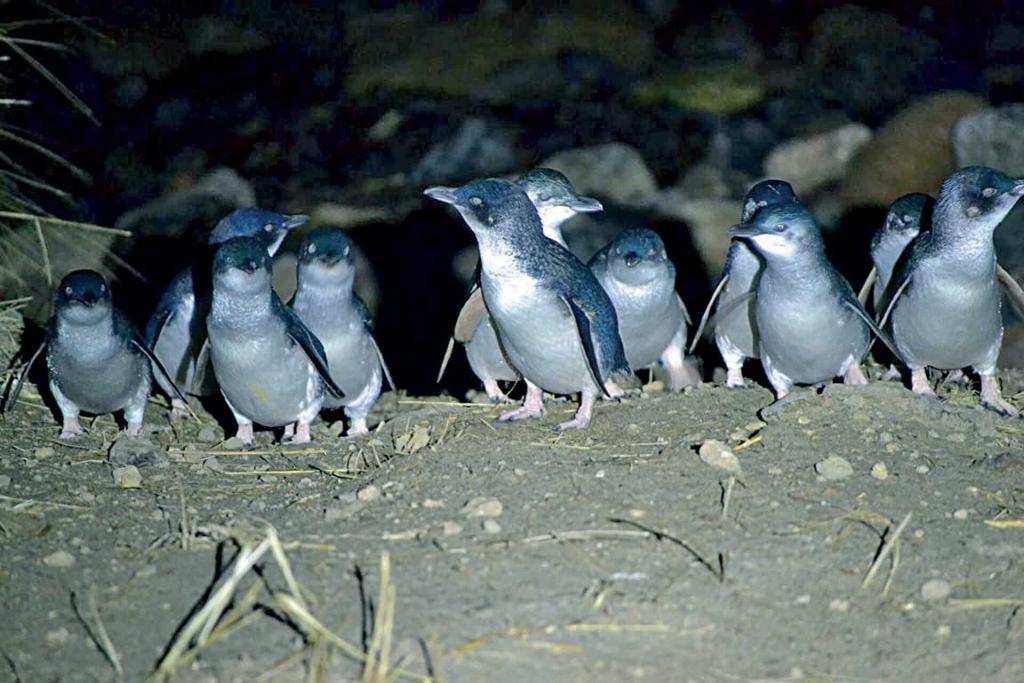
x,y
536,312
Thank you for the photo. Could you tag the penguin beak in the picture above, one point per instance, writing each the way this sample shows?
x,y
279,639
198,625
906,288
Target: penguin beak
x,y
445,195
631,258
585,205
742,232
250,266
295,221
1018,188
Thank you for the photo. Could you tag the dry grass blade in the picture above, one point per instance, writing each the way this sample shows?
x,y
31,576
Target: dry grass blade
x,y
97,631
87,227
378,655
56,158
71,97
985,603
887,548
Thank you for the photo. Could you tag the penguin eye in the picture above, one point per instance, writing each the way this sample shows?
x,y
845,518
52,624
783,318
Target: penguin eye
x,y
268,227
907,218
651,252
311,249
543,197
780,227
103,287
476,201
68,291
345,253
988,192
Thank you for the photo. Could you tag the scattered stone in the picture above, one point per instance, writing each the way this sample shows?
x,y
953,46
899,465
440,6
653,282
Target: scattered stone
x,y
5,481
912,152
934,590
705,219
943,631
432,504
145,571
961,514
451,529
657,386
834,468
614,171
922,469
803,599
136,452
879,471
208,435
368,494
61,559
483,506
839,605
128,477
716,454
991,137
58,636
490,526
43,452
413,441
233,444
809,164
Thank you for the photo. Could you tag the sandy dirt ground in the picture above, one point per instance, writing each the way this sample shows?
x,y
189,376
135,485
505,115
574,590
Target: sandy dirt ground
x,y
864,534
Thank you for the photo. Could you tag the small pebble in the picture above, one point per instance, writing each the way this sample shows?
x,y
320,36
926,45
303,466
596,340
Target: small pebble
x,y
491,526
208,435
879,471
839,605
432,504
934,590
128,477
368,494
961,514
61,559
653,387
599,474
232,444
943,631
803,599
145,571
58,636
451,529
43,452
716,454
923,469
138,452
5,481
834,468
483,506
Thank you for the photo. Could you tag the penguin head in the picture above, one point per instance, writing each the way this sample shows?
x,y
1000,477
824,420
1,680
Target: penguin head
x,y
769,192
267,227
554,197
242,264
908,214
781,232
327,256
637,256
491,206
979,195
83,297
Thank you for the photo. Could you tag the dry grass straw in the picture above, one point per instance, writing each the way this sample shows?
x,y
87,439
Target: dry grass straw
x,y
97,631
228,609
889,546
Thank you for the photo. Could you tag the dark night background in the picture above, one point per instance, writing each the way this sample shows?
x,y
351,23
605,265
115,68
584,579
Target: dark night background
x,y
347,111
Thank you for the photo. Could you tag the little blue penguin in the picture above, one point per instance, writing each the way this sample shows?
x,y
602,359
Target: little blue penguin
x,y
810,326
270,368
96,359
324,301
556,324
943,302
176,330
906,217
556,202
640,280
735,331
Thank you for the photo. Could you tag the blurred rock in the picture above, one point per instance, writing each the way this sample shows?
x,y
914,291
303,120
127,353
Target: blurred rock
x,y
723,89
865,61
612,171
912,152
811,163
992,137
136,452
476,149
212,197
708,220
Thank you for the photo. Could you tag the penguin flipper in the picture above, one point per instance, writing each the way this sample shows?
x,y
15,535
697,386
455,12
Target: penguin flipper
x,y
12,400
682,309
731,308
586,336
865,289
310,344
199,376
1014,292
707,311
472,314
447,357
855,306
383,365
157,366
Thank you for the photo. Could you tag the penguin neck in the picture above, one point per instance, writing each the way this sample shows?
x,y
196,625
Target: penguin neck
x,y
501,255
332,300
803,271
241,309
553,230
88,340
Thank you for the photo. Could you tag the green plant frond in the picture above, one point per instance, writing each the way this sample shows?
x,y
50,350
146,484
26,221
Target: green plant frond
x,y
71,97
12,134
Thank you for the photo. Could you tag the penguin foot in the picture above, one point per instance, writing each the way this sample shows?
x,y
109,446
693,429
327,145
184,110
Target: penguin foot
x,y
71,429
957,377
358,427
524,412
734,379
892,374
682,376
244,434
494,392
919,383
855,376
614,390
992,398
582,418
297,434
179,411
134,429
